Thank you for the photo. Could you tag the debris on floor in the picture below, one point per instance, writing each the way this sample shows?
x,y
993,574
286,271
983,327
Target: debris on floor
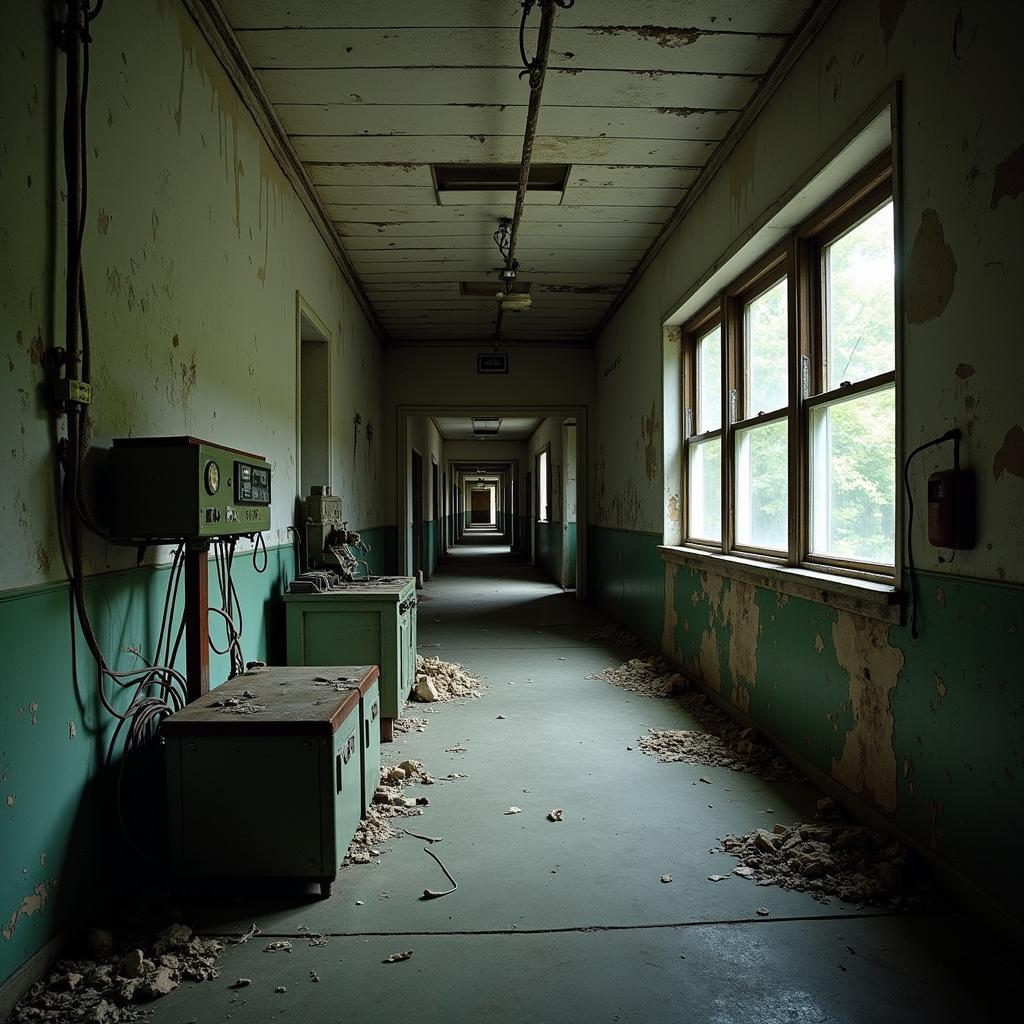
x,y
832,857
666,879
405,724
396,958
438,680
241,983
104,988
556,815
514,810
280,946
389,801
726,745
250,934
613,635
652,676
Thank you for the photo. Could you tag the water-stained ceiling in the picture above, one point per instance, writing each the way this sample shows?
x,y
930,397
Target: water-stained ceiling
x,y
637,98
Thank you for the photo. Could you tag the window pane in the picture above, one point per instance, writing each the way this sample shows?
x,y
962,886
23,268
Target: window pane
x,y
762,473
860,306
853,478
709,381
765,333
705,489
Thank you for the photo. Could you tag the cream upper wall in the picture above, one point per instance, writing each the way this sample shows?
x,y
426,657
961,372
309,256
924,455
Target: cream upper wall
x,y
195,248
961,149
424,437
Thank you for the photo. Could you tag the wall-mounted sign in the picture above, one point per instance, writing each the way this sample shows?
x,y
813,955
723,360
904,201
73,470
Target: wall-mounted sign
x,y
492,362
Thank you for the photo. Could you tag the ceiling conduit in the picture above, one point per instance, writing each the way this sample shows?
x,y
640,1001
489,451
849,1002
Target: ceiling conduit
x,y
507,234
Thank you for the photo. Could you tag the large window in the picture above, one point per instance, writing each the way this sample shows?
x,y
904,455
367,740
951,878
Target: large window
x,y
790,395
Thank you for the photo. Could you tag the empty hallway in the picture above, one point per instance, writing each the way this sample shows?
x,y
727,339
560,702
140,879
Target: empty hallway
x,y
336,334
570,920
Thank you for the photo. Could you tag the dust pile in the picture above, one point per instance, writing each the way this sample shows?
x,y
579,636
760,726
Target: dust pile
x,y
390,801
720,743
652,677
107,985
613,635
438,680
405,724
831,857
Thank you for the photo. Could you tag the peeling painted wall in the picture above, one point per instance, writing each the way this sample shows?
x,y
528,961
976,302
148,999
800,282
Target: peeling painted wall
x,y
863,701
927,731
195,247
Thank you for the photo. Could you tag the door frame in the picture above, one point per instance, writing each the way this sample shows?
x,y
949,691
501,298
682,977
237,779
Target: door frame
x,y
403,415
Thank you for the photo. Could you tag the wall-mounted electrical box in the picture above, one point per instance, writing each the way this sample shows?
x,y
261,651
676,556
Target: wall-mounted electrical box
x,y
323,522
951,509
167,488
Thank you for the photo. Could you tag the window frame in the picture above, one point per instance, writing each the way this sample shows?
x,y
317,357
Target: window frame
x,y
764,275
861,196
709,318
798,258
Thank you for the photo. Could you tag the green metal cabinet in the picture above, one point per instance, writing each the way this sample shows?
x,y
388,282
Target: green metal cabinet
x,y
365,621
276,791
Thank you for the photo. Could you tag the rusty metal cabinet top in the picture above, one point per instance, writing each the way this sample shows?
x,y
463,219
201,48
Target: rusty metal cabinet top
x,y
276,699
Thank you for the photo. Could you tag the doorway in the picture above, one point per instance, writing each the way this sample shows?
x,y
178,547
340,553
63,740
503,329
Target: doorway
x,y
569,505
313,387
417,512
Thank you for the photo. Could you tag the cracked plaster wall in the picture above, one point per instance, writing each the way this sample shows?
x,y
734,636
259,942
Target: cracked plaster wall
x,y
926,731
195,247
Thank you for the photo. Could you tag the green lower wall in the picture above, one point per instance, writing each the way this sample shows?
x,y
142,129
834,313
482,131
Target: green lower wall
x,y
54,791
548,538
570,555
927,732
431,547
383,542
626,577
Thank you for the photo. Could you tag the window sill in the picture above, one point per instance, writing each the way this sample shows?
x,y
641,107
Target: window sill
x,y
863,597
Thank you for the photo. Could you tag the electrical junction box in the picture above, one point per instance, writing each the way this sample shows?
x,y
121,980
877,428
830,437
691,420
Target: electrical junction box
x,y
266,774
323,517
173,488
951,509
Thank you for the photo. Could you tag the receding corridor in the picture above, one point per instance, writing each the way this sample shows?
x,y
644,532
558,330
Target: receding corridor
x,y
570,920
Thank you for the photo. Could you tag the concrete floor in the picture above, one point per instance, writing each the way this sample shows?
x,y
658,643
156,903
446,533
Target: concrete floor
x,y
569,921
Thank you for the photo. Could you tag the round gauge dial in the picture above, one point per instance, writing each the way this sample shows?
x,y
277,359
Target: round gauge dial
x,y
212,477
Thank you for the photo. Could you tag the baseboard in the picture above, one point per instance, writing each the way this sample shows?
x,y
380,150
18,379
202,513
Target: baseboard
x,y
964,892
34,969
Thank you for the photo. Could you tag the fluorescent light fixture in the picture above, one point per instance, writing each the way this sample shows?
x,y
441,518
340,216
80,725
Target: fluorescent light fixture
x,y
486,424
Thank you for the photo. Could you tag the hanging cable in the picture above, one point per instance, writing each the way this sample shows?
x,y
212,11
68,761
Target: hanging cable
x,y
950,435
139,697
534,70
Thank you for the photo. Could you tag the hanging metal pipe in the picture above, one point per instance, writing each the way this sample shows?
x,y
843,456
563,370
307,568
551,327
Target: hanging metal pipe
x,y
536,70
